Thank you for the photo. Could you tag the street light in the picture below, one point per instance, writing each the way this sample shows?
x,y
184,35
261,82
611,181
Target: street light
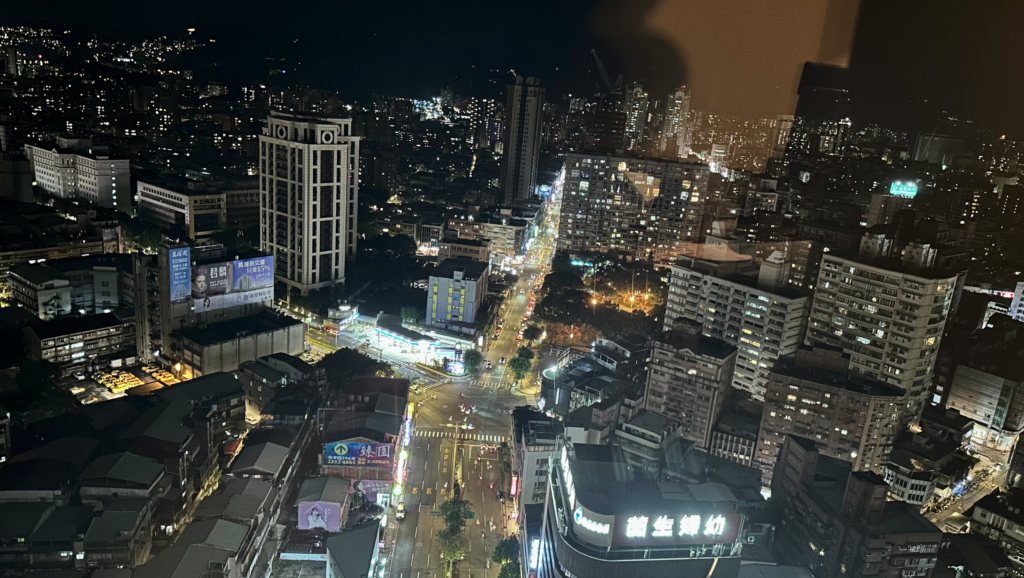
x,y
593,303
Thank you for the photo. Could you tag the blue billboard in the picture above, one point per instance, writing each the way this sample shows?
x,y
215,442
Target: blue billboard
x,y
358,454
181,273
220,285
253,273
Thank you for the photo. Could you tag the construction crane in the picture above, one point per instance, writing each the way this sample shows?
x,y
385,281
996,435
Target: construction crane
x,y
609,87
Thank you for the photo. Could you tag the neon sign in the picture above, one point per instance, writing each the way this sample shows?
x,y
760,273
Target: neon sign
x,y
592,525
570,488
903,189
663,526
534,553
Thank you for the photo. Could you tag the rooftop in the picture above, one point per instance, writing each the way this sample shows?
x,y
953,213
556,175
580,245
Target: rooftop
x,y
36,274
261,459
851,382
72,325
353,551
696,344
235,328
123,467
651,422
471,270
324,489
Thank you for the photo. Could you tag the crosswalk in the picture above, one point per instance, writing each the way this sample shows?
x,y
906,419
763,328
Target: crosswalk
x,y
433,433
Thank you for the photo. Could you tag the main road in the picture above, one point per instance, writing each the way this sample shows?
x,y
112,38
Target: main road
x,y
443,453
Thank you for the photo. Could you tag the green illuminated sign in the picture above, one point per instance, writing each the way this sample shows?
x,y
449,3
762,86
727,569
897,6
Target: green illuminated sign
x,y
904,189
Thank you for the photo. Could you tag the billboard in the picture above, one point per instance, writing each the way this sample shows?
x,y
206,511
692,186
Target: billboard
x,y
358,454
219,285
903,189
320,516
372,490
181,277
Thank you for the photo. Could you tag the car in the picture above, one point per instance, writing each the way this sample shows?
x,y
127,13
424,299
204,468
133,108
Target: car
x,y
79,376
77,390
501,497
495,336
490,365
400,514
501,361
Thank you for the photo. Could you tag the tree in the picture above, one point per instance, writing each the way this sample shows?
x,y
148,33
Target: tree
x,y
454,512
473,360
410,314
453,545
526,353
532,333
511,570
506,551
344,364
520,366
36,376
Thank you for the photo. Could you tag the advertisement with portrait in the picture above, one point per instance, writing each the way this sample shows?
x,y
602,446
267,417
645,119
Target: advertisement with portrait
x,y
320,516
180,261
220,285
359,454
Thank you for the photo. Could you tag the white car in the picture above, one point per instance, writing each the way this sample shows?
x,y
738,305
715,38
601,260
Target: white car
x,y
79,376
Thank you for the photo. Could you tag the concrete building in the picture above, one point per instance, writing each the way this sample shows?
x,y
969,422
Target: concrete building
x,y
73,169
990,390
601,519
119,537
199,207
883,208
837,522
998,516
644,208
170,296
674,139
535,439
77,285
507,235
226,345
309,191
689,380
456,290
889,318
643,440
353,553
475,249
735,435
524,116
763,324
83,343
849,417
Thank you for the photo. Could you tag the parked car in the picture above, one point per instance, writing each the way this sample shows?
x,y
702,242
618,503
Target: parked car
x,y
400,515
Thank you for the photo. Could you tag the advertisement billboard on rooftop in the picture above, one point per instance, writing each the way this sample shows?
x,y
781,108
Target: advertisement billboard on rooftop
x,y
220,285
359,454
180,261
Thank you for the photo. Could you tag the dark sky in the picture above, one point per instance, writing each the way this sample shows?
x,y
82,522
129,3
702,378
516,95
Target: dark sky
x,y
738,56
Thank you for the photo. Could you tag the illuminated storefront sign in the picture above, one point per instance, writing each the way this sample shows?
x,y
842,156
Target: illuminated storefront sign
x,y
570,488
903,189
534,553
593,526
683,529
515,485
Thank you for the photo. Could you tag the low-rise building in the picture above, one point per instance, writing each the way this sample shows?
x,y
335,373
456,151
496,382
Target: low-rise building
x,y
78,285
226,345
990,391
41,290
82,343
735,435
119,476
200,208
999,516
353,553
121,536
475,249
643,440
837,522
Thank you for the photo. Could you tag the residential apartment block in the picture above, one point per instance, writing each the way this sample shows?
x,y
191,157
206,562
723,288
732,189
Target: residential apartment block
x,y
457,289
726,300
72,168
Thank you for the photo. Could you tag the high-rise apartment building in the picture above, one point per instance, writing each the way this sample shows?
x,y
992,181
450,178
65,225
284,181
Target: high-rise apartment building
x,y
849,417
635,106
674,127
763,324
889,319
309,191
483,122
689,380
524,116
647,208
72,168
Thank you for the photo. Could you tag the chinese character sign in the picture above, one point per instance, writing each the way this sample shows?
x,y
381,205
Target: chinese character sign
x,y
650,530
211,280
358,454
241,282
253,273
180,261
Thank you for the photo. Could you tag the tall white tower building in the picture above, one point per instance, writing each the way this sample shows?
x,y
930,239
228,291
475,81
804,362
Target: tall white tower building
x,y
524,116
309,191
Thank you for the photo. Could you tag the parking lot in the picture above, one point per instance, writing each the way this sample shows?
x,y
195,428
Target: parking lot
x,y
114,383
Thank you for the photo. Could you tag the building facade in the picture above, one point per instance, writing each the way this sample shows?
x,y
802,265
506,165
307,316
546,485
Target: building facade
x,y
889,320
763,325
645,208
72,169
309,191
456,290
524,116
689,380
849,417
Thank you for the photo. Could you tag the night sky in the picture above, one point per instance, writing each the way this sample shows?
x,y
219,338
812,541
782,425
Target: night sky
x,y
911,59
